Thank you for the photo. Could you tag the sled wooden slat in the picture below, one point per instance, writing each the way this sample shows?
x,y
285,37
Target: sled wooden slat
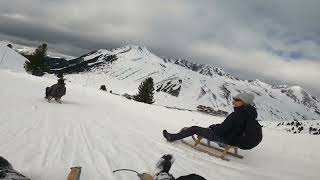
x,y
205,151
235,154
223,151
74,173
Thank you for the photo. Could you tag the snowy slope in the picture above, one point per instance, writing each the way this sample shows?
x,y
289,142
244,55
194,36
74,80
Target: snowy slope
x,y
102,132
179,83
183,84
10,59
26,50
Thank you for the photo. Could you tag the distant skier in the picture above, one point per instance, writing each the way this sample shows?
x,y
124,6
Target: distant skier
x,y
239,129
56,91
8,173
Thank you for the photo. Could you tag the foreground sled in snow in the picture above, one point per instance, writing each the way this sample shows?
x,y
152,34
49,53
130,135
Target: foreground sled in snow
x,y
212,150
74,173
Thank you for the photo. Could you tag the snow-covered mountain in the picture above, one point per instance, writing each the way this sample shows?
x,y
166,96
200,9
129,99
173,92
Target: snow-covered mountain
x,y
26,50
184,84
10,59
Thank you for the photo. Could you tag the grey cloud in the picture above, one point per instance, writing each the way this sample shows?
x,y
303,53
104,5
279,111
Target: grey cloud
x,y
177,29
265,66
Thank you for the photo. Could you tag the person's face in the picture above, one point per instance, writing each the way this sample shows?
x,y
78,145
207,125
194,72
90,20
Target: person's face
x,y
237,103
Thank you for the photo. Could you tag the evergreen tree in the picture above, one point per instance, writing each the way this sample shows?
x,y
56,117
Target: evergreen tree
x,y
145,93
36,65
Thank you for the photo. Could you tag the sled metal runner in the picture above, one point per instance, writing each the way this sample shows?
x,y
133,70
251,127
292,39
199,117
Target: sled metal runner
x,y
222,152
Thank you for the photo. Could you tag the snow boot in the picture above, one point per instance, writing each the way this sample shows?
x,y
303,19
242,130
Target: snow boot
x,y
7,171
163,167
165,163
167,135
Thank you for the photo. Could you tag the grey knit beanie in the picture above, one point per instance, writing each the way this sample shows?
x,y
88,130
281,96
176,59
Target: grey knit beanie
x,y
247,98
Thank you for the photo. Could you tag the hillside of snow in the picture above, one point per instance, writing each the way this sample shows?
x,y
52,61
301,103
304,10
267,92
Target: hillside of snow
x,y
179,83
101,132
10,59
182,84
26,50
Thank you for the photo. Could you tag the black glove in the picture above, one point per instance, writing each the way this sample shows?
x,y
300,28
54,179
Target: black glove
x,y
212,126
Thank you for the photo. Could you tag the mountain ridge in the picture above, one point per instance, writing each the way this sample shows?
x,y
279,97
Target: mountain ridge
x,y
200,84
184,84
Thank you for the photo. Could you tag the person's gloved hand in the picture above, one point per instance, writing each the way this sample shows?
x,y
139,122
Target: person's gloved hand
x,y
164,176
212,126
145,176
165,163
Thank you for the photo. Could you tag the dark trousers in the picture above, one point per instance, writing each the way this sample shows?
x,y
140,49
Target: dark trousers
x,y
200,131
48,91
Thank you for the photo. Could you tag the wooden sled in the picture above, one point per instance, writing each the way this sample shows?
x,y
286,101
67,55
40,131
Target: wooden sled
x,y
74,173
222,152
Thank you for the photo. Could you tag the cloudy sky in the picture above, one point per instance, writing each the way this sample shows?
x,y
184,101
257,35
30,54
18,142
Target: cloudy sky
x,y
276,41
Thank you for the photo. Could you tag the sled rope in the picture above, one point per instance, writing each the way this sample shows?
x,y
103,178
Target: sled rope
x,y
125,170
142,176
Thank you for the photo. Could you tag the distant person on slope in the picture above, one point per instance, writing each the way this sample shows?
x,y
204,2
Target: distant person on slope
x,y
239,129
56,91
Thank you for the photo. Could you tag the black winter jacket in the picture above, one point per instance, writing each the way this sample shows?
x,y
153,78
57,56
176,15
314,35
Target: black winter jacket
x,y
58,90
233,129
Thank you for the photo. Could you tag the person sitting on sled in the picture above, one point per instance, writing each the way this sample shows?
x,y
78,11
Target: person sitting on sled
x,y
239,129
56,91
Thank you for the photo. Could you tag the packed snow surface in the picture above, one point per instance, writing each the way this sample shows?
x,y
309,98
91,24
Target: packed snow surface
x,y
101,132
177,85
